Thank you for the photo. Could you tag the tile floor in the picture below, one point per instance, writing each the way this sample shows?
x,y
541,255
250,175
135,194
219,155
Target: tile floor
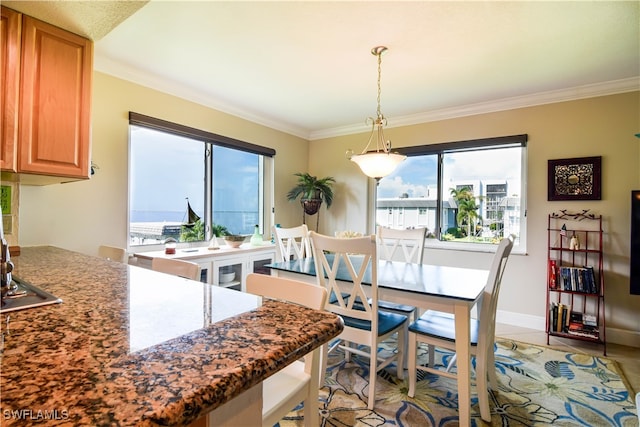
x,y
628,358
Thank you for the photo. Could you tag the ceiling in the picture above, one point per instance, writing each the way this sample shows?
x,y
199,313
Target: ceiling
x,y
305,67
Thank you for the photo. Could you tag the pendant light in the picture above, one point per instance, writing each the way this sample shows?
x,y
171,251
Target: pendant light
x,y
380,162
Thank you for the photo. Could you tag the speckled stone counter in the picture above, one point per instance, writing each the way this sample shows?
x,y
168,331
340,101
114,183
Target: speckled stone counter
x,y
129,346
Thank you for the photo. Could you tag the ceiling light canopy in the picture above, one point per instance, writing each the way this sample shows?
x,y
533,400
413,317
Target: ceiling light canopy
x,y
381,162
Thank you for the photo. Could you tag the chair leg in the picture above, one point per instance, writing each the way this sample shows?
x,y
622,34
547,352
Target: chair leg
x,y
411,367
482,359
432,355
311,415
491,366
402,351
347,353
324,356
373,375
452,362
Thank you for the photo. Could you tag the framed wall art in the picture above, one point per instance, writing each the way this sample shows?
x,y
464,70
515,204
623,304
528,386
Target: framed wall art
x,y
575,179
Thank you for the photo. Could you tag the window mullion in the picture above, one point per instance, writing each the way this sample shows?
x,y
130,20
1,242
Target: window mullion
x,y
440,200
208,191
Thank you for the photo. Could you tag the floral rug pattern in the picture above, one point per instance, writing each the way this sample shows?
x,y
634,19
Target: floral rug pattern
x,y
537,386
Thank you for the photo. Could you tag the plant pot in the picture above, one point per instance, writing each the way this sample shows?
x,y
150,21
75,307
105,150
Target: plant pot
x,y
311,206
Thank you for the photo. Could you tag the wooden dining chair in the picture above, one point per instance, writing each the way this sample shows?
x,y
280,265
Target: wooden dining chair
x,y
177,267
401,245
113,253
292,243
437,329
349,260
298,382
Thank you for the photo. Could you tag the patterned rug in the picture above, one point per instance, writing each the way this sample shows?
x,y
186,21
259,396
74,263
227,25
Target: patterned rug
x,y
537,386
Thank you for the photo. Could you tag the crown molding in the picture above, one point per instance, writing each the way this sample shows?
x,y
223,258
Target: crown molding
x,y
119,70
155,82
570,94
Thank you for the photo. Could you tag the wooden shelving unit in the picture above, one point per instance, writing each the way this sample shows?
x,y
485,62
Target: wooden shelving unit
x,y
575,277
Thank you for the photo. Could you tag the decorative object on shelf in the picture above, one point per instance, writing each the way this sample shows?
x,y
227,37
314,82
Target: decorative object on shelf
x,y
381,162
574,179
575,277
170,246
574,244
234,240
313,192
256,237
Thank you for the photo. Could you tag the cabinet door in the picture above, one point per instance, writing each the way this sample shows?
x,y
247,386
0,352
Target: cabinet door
x,y
9,83
229,273
206,275
54,137
257,262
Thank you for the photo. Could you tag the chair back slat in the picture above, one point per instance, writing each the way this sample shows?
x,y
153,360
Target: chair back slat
x,y
491,292
348,260
279,288
113,253
177,267
292,243
404,245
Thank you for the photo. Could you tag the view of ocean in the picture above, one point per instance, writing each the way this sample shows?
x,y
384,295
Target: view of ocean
x,y
236,222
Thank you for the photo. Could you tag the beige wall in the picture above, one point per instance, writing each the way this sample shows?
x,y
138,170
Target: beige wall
x,y
602,126
82,215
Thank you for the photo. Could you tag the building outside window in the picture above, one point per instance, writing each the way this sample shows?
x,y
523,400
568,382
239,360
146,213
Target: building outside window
x,y
462,192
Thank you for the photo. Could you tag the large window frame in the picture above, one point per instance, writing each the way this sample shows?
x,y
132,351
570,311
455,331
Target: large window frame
x,y
442,149
266,169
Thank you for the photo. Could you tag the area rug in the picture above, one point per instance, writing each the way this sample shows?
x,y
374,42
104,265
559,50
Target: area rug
x,y
537,386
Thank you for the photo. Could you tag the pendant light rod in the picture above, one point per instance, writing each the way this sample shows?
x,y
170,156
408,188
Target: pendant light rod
x,y
381,162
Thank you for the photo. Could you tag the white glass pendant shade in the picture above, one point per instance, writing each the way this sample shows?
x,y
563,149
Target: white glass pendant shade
x,y
378,164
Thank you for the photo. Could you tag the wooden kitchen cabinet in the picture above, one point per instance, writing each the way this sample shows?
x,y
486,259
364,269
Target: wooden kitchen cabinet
x,y
54,110
10,30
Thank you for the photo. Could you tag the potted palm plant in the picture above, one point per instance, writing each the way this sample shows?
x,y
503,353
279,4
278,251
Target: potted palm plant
x,y
312,192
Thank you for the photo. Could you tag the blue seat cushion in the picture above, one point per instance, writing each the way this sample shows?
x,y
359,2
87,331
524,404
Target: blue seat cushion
x,y
386,322
392,306
442,325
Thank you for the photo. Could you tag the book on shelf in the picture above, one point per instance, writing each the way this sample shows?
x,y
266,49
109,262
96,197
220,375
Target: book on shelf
x,y
582,325
577,279
582,330
560,317
553,274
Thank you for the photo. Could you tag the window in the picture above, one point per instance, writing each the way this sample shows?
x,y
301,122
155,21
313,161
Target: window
x,y
467,192
183,182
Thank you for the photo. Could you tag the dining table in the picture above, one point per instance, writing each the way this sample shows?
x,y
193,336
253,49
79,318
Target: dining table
x,y
429,287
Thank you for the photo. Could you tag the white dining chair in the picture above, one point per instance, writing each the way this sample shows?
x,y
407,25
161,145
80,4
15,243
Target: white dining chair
x,y
292,243
437,329
113,253
298,382
177,267
363,323
405,246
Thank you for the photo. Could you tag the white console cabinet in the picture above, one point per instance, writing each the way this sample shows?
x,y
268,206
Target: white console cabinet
x,y
226,267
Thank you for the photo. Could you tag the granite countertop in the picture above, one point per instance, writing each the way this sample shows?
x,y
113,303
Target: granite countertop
x,y
129,346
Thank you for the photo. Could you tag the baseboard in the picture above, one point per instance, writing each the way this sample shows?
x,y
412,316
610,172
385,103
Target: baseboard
x,y
538,323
